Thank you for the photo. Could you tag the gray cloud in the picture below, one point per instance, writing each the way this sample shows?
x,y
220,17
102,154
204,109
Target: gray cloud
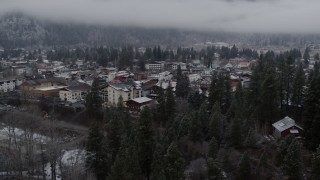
x,y
274,16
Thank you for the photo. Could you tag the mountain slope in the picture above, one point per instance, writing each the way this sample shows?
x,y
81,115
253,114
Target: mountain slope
x,y
17,30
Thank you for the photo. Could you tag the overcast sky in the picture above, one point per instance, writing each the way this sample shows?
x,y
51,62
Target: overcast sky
x,y
274,16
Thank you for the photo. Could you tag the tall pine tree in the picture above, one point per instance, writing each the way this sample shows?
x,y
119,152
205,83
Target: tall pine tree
x,y
292,162
316,164
174,163
182,87
96,158
244,168
145,142
93,101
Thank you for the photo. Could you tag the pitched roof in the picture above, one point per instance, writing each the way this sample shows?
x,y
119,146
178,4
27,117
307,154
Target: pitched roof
x,y
141,100
284,124
77,86
125,86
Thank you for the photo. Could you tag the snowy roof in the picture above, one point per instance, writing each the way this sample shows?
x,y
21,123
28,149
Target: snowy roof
x,y
121,86
141,100
124,86
284,124
50,88
165,84
294,131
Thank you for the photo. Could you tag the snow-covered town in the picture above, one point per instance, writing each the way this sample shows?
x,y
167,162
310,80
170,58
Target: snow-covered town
x,y
159,90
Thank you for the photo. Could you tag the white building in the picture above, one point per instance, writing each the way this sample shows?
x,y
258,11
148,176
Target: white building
x,y
70,96
19,70
157,66
75,92
7,85
126,90
174,66
194,77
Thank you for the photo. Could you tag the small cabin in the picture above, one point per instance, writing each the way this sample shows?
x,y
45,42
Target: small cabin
x,y
286,126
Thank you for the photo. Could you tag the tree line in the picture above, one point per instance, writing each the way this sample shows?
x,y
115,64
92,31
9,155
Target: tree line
x,y
185,125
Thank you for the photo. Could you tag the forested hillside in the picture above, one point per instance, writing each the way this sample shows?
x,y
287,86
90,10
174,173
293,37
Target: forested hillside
x,y
17,30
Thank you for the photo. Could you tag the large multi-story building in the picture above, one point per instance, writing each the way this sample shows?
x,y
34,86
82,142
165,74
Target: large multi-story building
x,y
174,66
126,90
42,87
7,85
76,91
155,67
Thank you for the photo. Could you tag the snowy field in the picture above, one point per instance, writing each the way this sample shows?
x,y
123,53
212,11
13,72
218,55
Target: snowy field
x,y
69,159
6,133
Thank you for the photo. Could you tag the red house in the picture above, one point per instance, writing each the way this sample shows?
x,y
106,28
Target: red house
x,y
138,104
285,127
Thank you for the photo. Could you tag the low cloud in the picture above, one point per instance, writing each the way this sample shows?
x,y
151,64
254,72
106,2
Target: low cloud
x,y
266,16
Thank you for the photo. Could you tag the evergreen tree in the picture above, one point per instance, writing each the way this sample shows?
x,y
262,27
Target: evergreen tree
x,y
182,87
93,101
235,134
214,90
40,60
159,53
255,85
315,130
213,148
251,139
311,110
120,104
306,55
161,109
196,99
262,168
282,150
96,158
215,122
286,80
224,53
292,161
226,94
179,128
316,164
244,168
214,172
317,57
142,65
239,106
158,164
195,131
103,55
220,91
145,142
204,119
126,166
174,163
179,71
268,107
114,137
234,52
170,104
298,87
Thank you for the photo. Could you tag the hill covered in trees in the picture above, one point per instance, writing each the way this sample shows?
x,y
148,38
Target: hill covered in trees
x,y
18,30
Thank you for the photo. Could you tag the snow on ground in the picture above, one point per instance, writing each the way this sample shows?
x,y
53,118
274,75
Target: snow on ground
x,y
73,157
48,171
5,133
70,158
